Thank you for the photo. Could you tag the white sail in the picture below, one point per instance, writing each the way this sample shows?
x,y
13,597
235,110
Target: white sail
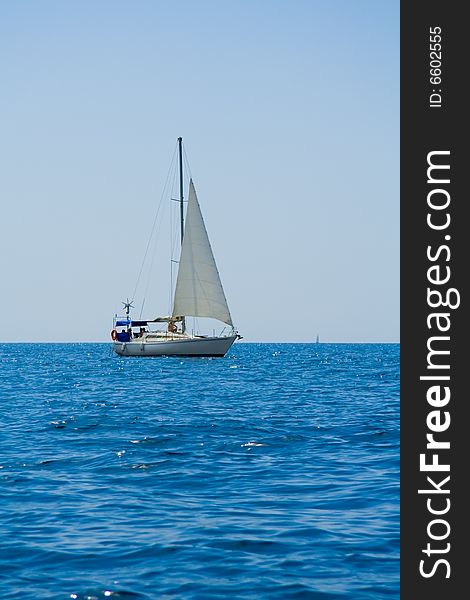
x,y
198,291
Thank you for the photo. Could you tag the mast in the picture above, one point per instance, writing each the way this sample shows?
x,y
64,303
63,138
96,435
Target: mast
x,y
180,152
180,155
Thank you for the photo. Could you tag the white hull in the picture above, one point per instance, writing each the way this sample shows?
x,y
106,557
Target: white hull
x,y
209,346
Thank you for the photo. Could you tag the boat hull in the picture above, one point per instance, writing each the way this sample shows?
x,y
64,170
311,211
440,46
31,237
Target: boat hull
x,y
210,346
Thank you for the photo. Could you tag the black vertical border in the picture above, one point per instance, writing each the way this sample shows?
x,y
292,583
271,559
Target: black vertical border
x,y
424,129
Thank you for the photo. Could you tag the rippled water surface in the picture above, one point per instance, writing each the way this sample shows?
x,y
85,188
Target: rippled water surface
x,y
270,473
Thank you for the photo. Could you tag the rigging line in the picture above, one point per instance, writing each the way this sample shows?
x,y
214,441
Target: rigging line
x,y
173,228
174,239
167,191
153,225
173,245
170,249
170,240
186,162
142,308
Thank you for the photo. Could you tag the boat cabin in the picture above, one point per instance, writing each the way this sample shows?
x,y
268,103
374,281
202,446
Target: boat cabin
x,y
126,330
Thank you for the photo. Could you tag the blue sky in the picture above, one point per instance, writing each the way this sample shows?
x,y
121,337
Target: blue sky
x,y
290,116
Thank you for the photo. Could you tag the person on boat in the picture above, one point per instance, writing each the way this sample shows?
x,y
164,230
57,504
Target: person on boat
x,y
123,336
172,327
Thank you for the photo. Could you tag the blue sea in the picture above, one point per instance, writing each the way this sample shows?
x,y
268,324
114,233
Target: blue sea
x,y
272,473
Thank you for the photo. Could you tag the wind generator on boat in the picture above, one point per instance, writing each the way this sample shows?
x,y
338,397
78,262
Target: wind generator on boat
x,y
198,293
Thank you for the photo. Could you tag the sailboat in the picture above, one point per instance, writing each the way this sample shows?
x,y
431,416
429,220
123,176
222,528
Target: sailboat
x,y
198,293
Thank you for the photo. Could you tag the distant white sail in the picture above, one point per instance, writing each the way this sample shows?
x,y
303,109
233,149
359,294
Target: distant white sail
x,y
198,291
